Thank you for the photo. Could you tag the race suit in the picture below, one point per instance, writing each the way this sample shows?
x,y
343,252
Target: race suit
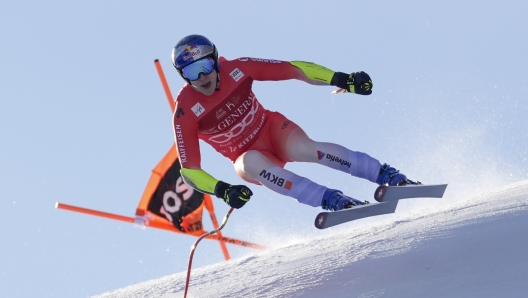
x,y
232,118
232,121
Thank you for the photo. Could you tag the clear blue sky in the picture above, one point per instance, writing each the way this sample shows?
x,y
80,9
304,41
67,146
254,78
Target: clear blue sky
x,y
84,119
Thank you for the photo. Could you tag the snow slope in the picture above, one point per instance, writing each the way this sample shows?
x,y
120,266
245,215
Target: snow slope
x,y
472,247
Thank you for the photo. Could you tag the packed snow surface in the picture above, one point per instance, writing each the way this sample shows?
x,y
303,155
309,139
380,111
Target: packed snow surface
x,y
470,247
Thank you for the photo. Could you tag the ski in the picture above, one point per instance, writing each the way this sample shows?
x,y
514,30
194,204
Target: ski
x,y
329,219
393,193
387,196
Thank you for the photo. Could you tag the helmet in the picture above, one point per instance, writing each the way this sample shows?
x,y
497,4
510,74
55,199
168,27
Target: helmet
x,y
192,48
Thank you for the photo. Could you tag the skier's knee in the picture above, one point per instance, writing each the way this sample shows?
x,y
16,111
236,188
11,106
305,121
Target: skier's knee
x,y
303,150
248,165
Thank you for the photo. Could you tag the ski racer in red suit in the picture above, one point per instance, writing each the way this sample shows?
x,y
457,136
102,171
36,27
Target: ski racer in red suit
x,y
218,106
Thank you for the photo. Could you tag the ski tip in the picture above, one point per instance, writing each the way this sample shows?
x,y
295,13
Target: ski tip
x,y
380,191
320,220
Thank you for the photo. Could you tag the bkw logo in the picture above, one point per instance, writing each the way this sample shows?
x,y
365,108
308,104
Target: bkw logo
x,y
276,180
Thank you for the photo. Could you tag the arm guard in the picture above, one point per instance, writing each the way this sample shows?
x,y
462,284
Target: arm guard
x,y
314,71
199,180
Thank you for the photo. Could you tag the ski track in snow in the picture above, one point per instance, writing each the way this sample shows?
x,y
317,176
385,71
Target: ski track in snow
x,y
472,247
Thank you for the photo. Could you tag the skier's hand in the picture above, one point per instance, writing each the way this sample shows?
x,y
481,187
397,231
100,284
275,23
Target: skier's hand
x,y
234,195
357,82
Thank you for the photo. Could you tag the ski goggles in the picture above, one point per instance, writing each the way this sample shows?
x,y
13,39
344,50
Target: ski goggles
x,y
193,70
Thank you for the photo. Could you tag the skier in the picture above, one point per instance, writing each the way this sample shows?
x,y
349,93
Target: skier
x,y
218,106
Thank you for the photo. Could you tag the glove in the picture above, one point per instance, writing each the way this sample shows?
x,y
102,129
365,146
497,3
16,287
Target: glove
x,y
357,82
234,195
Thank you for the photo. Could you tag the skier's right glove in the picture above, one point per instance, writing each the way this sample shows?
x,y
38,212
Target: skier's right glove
x,y
356,82
234,195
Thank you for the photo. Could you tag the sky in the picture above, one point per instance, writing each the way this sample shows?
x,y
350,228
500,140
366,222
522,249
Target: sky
x,y
467,248
84,119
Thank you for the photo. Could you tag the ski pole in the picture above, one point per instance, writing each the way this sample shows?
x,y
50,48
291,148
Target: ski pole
x,y
196,244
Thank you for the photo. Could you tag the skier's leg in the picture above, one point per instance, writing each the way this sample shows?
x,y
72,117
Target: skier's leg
x,y
256,167
358,164
260,167
292,143
253,166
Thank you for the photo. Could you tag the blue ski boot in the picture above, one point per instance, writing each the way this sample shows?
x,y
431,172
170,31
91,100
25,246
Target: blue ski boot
x,y
390,176
335,200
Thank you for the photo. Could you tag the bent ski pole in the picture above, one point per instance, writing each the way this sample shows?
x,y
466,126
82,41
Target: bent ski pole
x,y
196,244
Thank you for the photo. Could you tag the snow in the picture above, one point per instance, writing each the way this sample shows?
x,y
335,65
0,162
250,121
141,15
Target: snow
x,y
470,247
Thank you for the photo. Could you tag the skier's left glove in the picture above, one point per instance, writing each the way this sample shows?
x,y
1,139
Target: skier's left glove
x,y
235,196
356,82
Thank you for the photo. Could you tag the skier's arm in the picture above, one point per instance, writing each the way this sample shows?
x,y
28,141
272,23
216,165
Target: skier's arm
x,y
199,180
356,82
234,195
276,70
188,149
315,74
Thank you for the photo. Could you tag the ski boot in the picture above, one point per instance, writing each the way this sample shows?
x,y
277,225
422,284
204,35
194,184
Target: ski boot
x,y
392,177
335,200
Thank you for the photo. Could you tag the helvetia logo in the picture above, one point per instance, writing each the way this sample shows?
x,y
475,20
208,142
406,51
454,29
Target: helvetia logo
x,y
333,158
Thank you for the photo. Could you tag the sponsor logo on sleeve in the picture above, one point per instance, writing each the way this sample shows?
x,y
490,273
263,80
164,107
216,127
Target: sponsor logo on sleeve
x,y
180,143
265,60
236,74
198,109
244,59
179,113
